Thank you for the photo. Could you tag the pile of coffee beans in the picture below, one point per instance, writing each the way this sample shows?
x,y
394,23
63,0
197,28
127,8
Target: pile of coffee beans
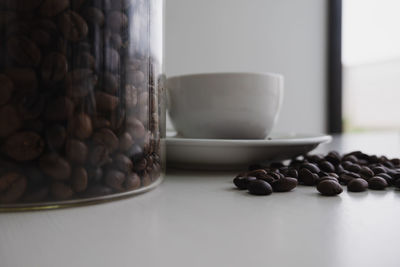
x,y
80,99
328,173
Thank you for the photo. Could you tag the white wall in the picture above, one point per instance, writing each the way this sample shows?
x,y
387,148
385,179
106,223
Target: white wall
x,y
283,36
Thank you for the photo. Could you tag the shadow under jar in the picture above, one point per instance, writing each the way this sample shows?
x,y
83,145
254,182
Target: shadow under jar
x,y
81,100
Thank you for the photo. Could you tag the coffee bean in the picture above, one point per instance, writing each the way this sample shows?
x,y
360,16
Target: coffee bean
x,y
307,177
55,166
387,177
366,172
354,168
377,183
36,194
357,185
311,167
132,182
284,185
54,67
73,26
24,146
76,151
107,138
61,191
24,79
59,109
378,170
123,163
333,157
116,20
94,16
326,166
350,158
99,155
257,173
259,187
81,126
131,96
135,128
6,89
125,142
115,179
397,183
106,102
55,136
23,51
329,188
339,169
80,82
79,179
243,182
50,8
12,187
345,178
323,178
10,121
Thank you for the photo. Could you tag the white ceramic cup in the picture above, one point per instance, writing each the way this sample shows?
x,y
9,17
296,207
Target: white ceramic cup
x,y
225,105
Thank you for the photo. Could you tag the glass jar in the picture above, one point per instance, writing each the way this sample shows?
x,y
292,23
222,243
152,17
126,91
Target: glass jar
x,y
81,100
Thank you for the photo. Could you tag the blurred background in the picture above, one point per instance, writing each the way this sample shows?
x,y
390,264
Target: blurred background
x,y
292,38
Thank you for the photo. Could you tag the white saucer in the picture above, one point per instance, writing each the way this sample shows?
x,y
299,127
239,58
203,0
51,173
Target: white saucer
x,y
223,154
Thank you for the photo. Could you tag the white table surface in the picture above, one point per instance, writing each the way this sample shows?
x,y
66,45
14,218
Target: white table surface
x,y
198,219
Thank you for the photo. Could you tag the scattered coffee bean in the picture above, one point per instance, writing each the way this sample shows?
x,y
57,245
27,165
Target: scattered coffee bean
x,y
259,187
329,188
357,185
284,185
24,146
377,183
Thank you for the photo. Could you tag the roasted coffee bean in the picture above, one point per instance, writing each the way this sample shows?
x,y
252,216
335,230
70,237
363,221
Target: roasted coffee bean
x,y
326,166
59,109
24,79
257,173
315,158
387,177
377,183
94,15
36,194
132,182
112,59
50,8
73,26
12,187
81,126
333,157
339,169
99,155
366,172
76,151
311,167
242,182
23,51
30,105
347,165
6,89
396,162
123,163
354,168
378,170
54,67
55,136
307,177
268,178
24,146
115,179
329,188
357,185
397,183
10,121
322,174
106,102
107,138
284,185
259,187
116,20
292,173
116,41
61,191
350,158
333,175
80,82
125,142
55,166
131,96
323,178
136,128
345,178
79,179
140,165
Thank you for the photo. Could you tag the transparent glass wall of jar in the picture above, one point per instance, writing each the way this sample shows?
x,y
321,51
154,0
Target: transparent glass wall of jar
x,y
81,100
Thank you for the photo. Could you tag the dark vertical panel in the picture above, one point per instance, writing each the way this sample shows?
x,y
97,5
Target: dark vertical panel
x,y
335,119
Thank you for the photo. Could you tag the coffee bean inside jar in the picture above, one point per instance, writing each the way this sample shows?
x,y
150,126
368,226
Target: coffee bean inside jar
x,y
81,98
